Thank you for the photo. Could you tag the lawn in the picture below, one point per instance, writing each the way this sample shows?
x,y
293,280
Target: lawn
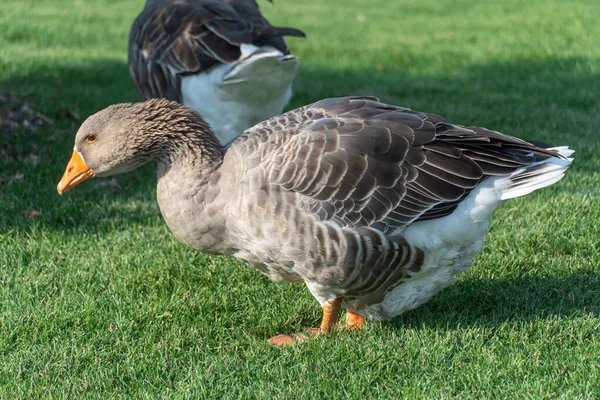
x,y
98,299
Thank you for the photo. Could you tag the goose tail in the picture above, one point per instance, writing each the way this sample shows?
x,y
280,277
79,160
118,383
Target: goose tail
x,y
537,175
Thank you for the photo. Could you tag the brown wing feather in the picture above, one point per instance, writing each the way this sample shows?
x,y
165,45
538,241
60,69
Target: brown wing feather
x,y
360,162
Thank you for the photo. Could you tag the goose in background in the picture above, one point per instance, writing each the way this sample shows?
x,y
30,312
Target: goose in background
x,y
221,58
376,208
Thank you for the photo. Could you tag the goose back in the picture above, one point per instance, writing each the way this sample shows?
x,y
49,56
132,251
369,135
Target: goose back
x,y
360,162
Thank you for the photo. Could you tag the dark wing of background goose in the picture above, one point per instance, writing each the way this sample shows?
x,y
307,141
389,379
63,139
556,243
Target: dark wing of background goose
x,y
360,162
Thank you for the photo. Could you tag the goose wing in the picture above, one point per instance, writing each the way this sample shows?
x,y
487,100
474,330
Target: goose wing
x,y
361,162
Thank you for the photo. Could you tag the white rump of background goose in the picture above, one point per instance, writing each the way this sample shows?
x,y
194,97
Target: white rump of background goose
x,y
374,207
221,58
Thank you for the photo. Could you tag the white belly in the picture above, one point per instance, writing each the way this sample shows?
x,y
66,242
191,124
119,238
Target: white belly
x,y
450,244
236,96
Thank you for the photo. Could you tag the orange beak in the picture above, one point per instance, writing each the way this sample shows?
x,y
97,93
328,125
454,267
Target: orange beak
x,y
77,171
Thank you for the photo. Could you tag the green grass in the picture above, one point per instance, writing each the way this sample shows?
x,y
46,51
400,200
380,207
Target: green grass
x,y
98,300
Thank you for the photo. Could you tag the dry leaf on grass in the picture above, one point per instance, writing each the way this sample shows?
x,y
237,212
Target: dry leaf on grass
x,y
33,159
18,177
16,112
31,214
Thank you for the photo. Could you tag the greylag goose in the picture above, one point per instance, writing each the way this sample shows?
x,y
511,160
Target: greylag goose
x,y
374,207
221,58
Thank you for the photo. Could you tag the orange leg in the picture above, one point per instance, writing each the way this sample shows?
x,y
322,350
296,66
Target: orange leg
x,y
331,312
354,322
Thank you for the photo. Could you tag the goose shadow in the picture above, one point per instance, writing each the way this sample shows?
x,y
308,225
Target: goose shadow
x,y
475,302
491,302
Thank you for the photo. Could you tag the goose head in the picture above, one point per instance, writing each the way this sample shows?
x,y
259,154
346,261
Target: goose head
x,y
123,137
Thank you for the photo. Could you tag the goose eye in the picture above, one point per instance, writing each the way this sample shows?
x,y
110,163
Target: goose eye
x,y
90,138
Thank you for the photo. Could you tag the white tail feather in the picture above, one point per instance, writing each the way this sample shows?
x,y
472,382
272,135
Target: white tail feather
x,y
537,175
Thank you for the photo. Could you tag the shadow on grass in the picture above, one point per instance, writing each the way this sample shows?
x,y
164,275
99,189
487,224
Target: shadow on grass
x,y
491,302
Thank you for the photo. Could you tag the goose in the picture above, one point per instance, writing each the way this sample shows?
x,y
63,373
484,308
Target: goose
x,y
221,58
374,207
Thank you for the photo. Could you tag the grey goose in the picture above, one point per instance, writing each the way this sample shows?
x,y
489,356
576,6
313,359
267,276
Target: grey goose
x,y
374,207
221,58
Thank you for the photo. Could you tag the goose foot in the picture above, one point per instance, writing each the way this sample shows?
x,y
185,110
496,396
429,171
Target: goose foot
x,y
354,321
331,313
